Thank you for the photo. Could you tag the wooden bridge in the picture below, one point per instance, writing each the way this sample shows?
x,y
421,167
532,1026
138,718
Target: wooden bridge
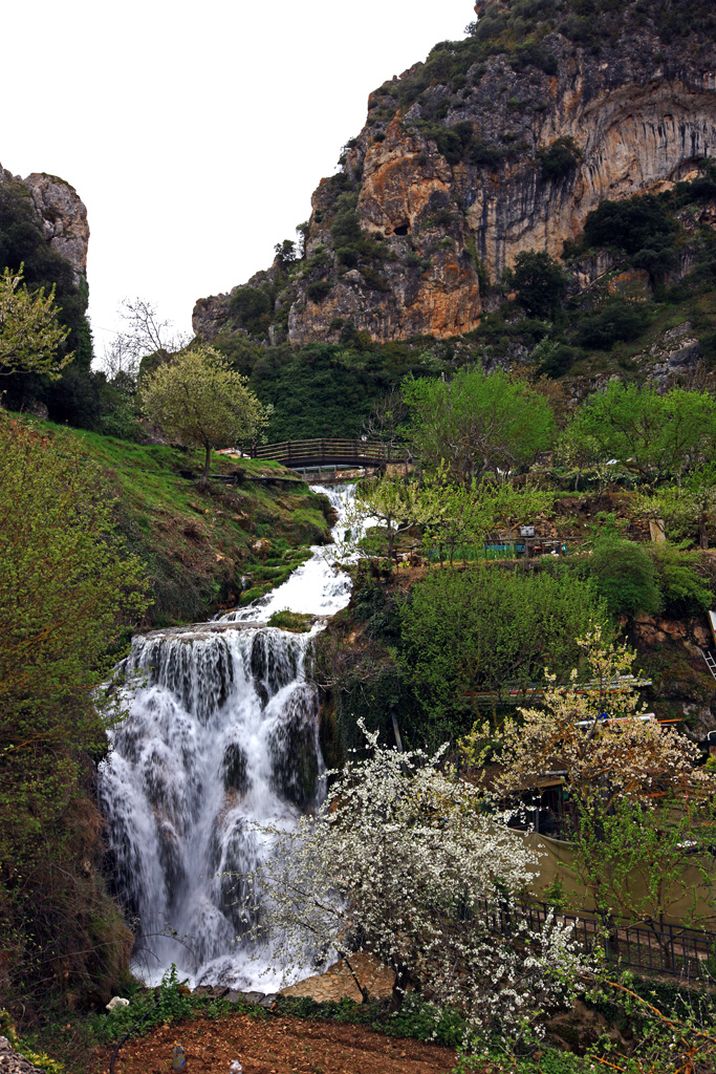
x,y
314,454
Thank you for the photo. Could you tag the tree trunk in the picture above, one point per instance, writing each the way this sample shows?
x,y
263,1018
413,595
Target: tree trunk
x,y
207,462
400,982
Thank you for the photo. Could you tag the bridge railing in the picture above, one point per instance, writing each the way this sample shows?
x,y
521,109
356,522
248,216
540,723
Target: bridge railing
x,y
329,449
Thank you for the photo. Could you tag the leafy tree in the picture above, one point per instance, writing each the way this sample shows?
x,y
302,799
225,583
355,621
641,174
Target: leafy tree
x,y
397,505
688,511
625,576
637,860
484,630
30,332
476,423
201,402
467,514
68,590
73,396
632,224
559,159
397,863
285,253
539,282
630,845
252,308
682,585
654,436
616,321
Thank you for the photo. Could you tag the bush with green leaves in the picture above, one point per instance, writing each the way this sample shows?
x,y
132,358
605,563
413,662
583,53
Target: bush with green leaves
x,y
654,436
351,243
684,588
69,589
625,576
167,1004
484,630
252,308
630,225
617,321
23,241
559,159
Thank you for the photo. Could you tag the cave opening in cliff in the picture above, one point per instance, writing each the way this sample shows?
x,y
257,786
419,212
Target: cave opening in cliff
x,y
402,230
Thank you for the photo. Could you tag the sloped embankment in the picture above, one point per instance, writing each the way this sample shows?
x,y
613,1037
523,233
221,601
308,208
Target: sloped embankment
x,y
205,547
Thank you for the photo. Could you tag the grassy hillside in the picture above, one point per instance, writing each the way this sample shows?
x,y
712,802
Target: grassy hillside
x,y
205,547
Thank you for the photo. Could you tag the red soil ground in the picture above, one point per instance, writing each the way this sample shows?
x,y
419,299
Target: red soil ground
x,y
280,1046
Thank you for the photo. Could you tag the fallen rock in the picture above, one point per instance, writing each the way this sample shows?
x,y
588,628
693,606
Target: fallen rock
x,y
12,1063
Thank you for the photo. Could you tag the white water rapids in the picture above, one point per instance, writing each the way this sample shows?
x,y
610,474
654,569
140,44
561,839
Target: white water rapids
x,y
220,740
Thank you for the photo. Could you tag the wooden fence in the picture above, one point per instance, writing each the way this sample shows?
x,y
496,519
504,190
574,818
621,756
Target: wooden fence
x,y
306,454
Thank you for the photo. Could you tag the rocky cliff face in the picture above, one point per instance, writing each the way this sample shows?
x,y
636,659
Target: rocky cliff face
x,y
501,143
62,214
64,218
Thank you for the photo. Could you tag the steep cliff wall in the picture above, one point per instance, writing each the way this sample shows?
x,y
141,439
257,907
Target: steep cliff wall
x,y
43,226
500,143
64,219
62,215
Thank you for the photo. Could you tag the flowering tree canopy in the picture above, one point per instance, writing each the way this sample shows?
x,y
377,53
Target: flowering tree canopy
x,y
593,730
400,862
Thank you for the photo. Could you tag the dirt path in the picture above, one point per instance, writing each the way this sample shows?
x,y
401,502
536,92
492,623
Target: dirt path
x,y
281,1046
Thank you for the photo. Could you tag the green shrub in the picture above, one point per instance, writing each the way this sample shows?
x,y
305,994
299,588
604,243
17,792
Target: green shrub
x,y
682,586
75,396
559,159
630,225
252,308
553,358
171,1002
296,622
617,321
486,629
625,576
318,290
460,143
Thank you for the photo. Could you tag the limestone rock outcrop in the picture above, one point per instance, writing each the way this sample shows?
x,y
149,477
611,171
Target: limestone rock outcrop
x,y
498,144
64,218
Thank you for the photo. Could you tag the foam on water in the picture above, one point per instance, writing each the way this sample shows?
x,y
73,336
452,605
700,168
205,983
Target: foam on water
x,y
220,742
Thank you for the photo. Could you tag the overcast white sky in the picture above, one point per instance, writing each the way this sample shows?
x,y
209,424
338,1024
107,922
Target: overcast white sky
x,y
195,133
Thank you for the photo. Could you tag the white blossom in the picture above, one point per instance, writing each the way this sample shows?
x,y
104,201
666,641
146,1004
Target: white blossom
x,y
403,861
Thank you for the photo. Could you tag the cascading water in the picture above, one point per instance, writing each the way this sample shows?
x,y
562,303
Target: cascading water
x,y
220,741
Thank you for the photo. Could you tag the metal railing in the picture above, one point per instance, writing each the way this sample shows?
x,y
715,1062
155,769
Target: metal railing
x,y
674,950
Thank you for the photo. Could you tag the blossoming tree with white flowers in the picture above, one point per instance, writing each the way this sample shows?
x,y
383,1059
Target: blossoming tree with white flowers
x,y
402,862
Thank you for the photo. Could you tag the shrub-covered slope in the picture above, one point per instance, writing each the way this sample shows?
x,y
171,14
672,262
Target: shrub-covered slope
x,y
205,547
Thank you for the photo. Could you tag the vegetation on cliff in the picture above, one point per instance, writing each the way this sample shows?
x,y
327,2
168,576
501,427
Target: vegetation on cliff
x,y
69,590
75,397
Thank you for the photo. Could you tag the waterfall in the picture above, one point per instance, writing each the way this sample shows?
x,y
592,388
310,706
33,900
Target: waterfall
x,y
219,741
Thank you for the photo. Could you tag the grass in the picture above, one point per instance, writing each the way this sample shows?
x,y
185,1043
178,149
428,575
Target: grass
x,y
206,547
296,622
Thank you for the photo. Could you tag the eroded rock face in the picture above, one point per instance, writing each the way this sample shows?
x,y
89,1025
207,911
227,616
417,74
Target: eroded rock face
x,y
449,184
64,217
